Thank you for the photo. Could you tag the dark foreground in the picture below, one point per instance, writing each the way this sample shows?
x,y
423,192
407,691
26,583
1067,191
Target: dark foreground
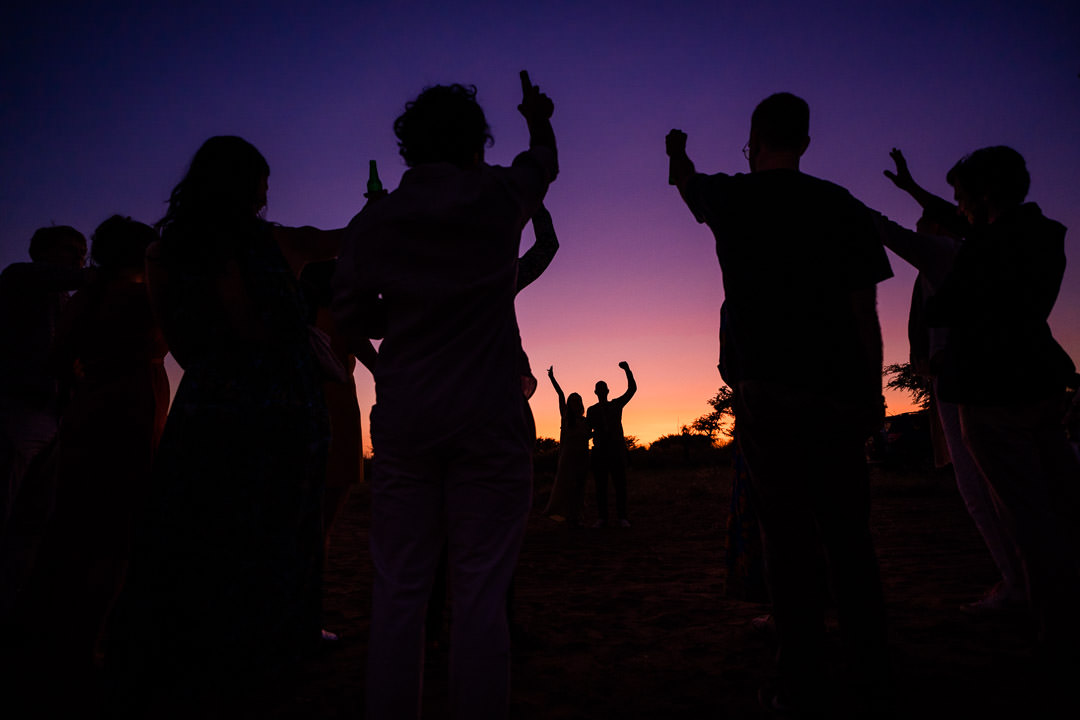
x,y
634,624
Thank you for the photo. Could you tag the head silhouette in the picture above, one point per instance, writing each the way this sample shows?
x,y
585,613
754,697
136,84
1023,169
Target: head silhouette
x,y
782,121
780,125
575,406
58,245
601,390
988,181
120,243
443,124
225,185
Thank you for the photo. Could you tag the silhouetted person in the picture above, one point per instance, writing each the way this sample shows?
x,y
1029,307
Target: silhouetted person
x,y
345,462
568,493
743,555
800,259
111,352
223,584
933,250
995,302
608,457
32,296
531,265
432,269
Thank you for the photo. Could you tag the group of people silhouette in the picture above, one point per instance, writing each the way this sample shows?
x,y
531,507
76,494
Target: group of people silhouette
x,y
187,551
603,424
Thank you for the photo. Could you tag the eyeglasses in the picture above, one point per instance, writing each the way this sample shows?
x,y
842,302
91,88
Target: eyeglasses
x,y
746,150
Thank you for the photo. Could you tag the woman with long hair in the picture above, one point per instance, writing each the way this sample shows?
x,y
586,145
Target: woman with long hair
x,y
568,493
224,580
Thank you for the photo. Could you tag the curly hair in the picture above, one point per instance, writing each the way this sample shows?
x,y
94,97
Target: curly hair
x,y
443,124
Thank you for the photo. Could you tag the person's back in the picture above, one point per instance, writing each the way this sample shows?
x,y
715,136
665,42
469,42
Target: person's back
x,y
31,297
800,261
444,246
996,303
792,248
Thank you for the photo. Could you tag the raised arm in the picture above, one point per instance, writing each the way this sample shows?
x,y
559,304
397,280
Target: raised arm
x,y
927,253
558,391
537,109
536,259
680,167
631,384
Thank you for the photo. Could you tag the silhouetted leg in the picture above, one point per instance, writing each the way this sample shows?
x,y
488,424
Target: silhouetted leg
x,y
600,477
436,609
406,538
488,495
843,511
618,479
1011,446
782,493
577,497
979,500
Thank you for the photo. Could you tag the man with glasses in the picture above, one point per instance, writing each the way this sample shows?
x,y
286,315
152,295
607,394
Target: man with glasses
x,y
800,259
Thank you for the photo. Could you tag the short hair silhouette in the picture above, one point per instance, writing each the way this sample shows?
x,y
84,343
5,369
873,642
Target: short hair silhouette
x,y
999,173
120,243
222,186
782,121
47,239
443,124
601,386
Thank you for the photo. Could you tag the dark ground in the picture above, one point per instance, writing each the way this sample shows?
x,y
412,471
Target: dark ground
x,y
634,624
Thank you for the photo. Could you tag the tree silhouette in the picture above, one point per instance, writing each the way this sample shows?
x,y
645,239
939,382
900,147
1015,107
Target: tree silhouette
x,y
903,377
716,422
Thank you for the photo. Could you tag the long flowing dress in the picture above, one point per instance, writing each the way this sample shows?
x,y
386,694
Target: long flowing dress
x,y
224,579
568,493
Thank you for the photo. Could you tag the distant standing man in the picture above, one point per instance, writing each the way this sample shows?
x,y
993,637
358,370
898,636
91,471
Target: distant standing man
x,y
609,447
800,259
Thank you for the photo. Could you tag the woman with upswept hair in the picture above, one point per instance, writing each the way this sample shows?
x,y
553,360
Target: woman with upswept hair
x,y
224,579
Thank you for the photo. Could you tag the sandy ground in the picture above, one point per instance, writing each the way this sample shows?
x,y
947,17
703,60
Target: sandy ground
x,y
633,623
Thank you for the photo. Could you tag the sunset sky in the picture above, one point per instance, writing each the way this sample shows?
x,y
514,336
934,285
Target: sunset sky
x,y
102,106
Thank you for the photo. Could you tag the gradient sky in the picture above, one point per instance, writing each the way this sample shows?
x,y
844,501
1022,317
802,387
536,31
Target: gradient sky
x,y
102,106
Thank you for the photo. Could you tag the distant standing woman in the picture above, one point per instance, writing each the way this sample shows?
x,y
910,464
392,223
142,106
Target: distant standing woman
x,y
223,585
567,496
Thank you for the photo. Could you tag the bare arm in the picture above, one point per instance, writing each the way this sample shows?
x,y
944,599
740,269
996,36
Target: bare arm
x,y
631,384
558,391
302,245
537,258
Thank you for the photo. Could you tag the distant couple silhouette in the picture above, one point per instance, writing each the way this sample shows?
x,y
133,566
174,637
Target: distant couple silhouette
x,y
603,424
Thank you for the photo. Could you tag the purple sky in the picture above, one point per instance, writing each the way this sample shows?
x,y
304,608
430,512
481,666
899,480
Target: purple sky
x,y
101,110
